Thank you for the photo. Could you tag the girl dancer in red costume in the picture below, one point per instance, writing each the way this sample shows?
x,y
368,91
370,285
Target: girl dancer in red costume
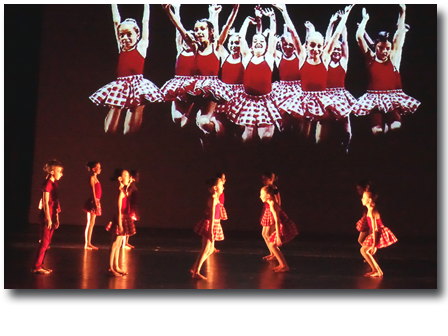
x,y
93,204
337,70
314,58
123,224
133,195
268,228
255,108
210,227
379,237
385,100
208,51
222,176
130,90
49,214
362,226
285,229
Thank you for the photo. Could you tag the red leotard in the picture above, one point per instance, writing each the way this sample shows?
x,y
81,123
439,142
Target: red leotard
x,y
125,206
314,77
185,65
289,69
232,73
53,200
257,79
207,65
130,63
98,190
383,76
336,77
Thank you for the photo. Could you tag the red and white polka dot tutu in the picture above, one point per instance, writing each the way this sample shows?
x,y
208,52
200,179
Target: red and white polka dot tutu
x,y
284,90
311,104
288,229
342,102
232,91
210,86
385,101
202,228
248,110
127,92
177,88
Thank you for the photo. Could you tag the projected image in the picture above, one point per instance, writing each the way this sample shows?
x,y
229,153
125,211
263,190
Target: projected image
x,y
270,83
130,91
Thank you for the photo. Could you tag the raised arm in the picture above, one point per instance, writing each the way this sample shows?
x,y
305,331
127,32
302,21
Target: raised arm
x,y
117,20
259,19
213,17
360,33
295,37
272,41
340,27
399,36
244,47
228,25
330,27
175,20
143,44
179,39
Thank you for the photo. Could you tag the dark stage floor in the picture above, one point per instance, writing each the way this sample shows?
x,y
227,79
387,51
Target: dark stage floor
x,y
162,258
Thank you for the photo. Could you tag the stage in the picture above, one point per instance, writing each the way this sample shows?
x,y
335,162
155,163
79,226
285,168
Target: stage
x,y
162,259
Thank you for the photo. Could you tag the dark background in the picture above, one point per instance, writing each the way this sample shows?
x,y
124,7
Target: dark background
x,y
66,52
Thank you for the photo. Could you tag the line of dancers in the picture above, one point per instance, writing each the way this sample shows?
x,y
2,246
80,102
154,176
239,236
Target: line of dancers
x,y
213,83
277,228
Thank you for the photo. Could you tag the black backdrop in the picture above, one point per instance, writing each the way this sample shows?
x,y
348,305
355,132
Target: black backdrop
x,y
69,51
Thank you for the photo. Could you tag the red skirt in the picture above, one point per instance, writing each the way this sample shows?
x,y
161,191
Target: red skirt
x,y
92,206
284,90
267,219
384,237
288,230
127,223
362,225
127,92
176,88
313,105
385,101
342,102
202,228
210,87
223,213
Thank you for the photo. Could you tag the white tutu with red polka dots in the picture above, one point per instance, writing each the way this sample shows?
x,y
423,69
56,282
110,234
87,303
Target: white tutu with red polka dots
x,y
310,104
247,110
177,88
233,90
210,86
342,101
127,92
284,90
385,101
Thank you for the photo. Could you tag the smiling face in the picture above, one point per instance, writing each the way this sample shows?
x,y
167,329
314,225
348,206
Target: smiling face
x,y
314,46
383,50
234,45
201,31
127,36
259,45
337,52
287,45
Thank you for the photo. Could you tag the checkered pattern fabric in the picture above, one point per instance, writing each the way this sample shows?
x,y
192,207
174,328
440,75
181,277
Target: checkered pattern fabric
x,y
202,228
288,230
127,92
385,101
247,110
128,226
342,101
92,206
232,91
284,90
267,219
311,104
384,237
362,225
176,88
223,212
210,86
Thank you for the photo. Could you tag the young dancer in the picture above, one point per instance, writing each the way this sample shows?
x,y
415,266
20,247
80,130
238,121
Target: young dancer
x,y
49,214
268,179
362,226
337,70
223,211
385,100
379,237
133,195
255,108
123,224
314,58
130,91
285,229
210,227
208,52
93,204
